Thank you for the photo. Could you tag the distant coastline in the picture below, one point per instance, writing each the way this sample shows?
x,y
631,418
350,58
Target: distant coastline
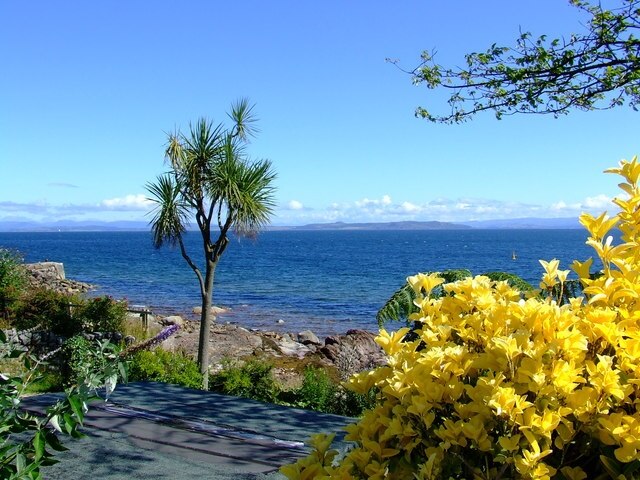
x,y
134,226
408,225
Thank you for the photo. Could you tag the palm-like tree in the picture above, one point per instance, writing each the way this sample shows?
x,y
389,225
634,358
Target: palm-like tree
x,y
211,181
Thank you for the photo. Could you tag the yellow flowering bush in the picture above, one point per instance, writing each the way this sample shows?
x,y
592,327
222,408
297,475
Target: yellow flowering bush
x,y
501,385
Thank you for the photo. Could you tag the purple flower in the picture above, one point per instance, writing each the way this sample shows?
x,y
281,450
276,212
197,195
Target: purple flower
x,y
152,342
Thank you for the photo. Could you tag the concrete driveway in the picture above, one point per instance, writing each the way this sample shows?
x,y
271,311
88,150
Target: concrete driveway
x,y
155,430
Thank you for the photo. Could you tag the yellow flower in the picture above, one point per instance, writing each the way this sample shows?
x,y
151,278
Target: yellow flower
x,y
629,169
582,269
391,343
510,444
426,283
506,382
599,226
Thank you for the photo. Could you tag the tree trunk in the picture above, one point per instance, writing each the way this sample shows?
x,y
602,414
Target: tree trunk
x,y
205,324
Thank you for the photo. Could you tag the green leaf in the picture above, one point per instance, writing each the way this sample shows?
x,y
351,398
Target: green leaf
x,y
77,407
21,462
122,368
54,442
69,422
611,466
39,443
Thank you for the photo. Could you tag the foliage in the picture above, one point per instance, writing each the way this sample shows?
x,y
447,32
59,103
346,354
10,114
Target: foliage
x,y
12,280
82,358
27,440
318,391
101,314
597,69
211,180
162,366
253,379
401,304
69,315
48,310
503,387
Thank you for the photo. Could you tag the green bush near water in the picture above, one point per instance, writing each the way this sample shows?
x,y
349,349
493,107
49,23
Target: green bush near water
x,y
12,281
69,315
253,379
319,391
48,310
101,314
162,366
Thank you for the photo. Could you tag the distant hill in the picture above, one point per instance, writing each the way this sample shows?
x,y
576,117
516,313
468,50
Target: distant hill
x,y
72,226
527,223
19,225
383,226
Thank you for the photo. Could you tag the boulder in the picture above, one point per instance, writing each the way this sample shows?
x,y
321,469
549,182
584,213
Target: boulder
x,y
50,275
172,320
214,310
353,352
307,337
293,349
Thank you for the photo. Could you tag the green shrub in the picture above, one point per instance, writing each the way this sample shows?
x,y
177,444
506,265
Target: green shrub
x,y
80,359
318,392
162,366
101,314
253,379
28,440
69,315
12,281
321,393
49,309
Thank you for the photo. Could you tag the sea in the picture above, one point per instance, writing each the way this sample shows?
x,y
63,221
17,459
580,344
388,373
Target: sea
x,y
324,281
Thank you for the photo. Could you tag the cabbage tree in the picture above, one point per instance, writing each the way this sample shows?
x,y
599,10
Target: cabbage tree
x,y
212,182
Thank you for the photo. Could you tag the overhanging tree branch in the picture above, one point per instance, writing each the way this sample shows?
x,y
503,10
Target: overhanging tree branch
x,y
599,69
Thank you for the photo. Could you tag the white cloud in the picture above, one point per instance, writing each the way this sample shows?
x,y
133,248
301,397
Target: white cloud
x,y
600,202
595,204
128,202
368,203
295,205
462,209
129,207
409,207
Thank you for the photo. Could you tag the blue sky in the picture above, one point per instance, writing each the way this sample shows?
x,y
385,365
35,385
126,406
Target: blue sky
x,y
89,89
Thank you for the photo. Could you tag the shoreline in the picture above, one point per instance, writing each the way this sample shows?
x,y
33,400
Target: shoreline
x,y
348,352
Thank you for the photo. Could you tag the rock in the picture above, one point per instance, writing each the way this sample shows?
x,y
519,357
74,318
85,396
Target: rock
x,y
332,340
50,275
214,310
291,348
307,337
172,320
353,352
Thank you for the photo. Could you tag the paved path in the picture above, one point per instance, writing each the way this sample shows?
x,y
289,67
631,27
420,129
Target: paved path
x,y
154,430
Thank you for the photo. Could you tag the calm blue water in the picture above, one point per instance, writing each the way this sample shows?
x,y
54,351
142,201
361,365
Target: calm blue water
x,y
326,281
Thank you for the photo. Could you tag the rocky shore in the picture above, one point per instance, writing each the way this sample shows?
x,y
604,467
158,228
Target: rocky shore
x,y
51,275
349,353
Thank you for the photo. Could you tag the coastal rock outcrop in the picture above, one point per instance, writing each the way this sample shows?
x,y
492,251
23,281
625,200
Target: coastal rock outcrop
x,y
354,351
349,353
51,276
